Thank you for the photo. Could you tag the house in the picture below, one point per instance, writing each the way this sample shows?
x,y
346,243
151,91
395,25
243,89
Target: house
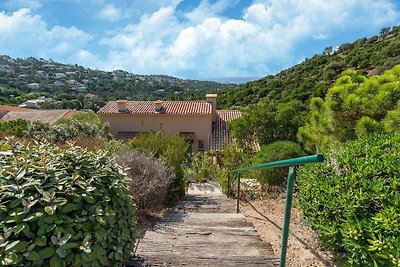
x,y
50,116
34,85
59,75
199,122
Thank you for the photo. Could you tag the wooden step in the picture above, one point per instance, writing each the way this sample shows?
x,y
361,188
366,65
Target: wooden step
x,y
204,230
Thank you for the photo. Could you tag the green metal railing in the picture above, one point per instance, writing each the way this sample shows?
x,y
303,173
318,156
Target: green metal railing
x,y
291,163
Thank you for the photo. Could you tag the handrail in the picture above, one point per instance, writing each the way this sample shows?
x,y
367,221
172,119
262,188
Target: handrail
x,y
291,163
285,163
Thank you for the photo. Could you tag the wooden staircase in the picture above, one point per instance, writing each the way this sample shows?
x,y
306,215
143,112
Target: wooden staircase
x,y
204,230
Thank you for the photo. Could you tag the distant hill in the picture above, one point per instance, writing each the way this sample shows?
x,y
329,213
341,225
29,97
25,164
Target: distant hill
x,y
314,76
55,85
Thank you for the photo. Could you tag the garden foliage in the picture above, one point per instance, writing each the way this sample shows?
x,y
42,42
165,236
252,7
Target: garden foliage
x,y
68,130
203,168
275,151
63,207
354,200
232,157
268,122
171,150
15,127
150,182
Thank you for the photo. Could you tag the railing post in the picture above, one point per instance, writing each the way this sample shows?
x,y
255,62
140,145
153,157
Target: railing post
x,y
288,207
238,193
228,192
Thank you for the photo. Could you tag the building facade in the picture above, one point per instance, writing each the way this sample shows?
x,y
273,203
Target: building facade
x,y
196,121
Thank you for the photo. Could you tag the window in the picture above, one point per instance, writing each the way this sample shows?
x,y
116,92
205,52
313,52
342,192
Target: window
x,y
201,145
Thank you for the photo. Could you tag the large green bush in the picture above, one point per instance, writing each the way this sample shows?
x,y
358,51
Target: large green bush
x,y
68,130
172,150
15,127
354,200
278,150
354,107
63,207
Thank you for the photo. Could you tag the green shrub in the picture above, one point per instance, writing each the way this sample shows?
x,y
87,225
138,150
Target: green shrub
x,y
278,150
63,207
15,127
150,180
232,157
172,150
203,168
68,130
354,200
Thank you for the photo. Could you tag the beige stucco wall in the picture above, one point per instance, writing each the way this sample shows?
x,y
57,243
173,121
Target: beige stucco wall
x,y
201,125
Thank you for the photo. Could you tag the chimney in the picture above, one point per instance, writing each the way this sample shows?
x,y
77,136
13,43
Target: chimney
x,y
158,106
122,105
212,100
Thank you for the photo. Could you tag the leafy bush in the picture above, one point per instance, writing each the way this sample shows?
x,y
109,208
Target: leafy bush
x,y
269,121
354,200
232,157
203,168
278,150
68,130
15,127
63,207
172,150
150,180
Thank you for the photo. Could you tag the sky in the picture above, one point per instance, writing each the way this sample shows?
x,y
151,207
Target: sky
x,y
191,39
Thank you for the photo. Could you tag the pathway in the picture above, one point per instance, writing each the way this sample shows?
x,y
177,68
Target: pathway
x,y
204,230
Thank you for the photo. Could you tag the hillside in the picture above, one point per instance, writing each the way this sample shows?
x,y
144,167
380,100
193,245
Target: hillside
x,y
72,86
312,78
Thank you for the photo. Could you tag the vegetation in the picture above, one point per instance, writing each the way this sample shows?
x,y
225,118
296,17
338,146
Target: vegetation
x,y
63,207
355,106
16,127
172,150
269,122
76,87
275,151
203,168
354,200
274,107
232,157
314,76
83,126
150,182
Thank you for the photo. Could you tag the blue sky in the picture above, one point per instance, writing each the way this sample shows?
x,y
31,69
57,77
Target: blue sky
x,y
196,39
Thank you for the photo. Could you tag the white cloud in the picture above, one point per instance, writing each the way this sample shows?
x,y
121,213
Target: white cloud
x,y
202,43
207,10
22,31
209,45
111,13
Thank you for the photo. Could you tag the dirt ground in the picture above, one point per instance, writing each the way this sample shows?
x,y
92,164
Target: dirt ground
x,y
303,245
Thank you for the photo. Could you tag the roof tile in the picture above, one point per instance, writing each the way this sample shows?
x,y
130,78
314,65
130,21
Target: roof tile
x,y
221,135
169,107
48,116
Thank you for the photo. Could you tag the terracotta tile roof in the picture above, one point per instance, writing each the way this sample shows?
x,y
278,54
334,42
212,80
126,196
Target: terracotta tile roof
x,y
168,107
9,108
47,116
5,109
221,135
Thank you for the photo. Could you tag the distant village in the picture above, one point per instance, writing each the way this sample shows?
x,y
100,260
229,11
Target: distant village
x,y
42,83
